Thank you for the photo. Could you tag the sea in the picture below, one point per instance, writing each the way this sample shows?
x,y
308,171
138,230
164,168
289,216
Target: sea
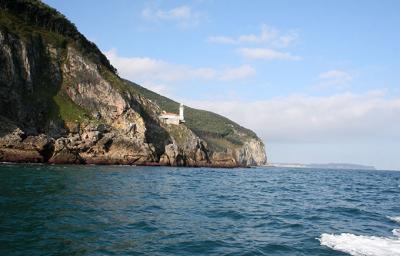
x,y
128,210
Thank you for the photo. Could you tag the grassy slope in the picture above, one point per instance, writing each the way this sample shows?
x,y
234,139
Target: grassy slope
x,y
217,130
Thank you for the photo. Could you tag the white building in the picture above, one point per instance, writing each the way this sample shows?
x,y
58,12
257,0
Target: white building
x,y
172,118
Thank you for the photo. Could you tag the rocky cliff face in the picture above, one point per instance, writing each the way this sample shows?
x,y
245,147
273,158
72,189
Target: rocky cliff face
x,y
58,104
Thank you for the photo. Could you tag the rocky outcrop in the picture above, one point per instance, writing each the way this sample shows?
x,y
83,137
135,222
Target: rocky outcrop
x,y
64,105
252,153
16,146
186,149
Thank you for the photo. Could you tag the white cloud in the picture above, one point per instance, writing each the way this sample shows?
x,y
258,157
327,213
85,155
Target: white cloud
x,y
178,13
338,78
267,54
221,40
268,35
241,72
183,15
159,88
144,69
339,118
269,38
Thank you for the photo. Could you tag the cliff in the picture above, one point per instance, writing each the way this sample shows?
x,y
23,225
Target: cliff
x,y
61,101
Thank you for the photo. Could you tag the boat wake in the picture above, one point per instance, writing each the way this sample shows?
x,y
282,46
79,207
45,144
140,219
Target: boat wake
x,y
358,245
395,219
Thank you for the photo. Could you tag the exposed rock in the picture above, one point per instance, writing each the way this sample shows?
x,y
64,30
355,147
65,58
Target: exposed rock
x,y
170,155
12,138
20,155
73,127
251,153
42,144
224,159
63,154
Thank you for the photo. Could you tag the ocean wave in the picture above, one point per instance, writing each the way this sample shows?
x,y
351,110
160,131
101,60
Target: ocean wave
x,y
396,232
362,245
395,219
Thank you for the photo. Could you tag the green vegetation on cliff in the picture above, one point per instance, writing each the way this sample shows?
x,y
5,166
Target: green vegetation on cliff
x,y
68,110
217,130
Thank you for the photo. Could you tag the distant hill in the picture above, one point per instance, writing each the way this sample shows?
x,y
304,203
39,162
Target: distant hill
x,y
342,166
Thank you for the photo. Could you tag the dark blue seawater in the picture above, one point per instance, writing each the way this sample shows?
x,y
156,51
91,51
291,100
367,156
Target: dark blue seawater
x,y
123,210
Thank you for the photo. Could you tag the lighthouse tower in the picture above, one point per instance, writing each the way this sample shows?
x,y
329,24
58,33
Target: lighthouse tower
x,y
181,117
173,118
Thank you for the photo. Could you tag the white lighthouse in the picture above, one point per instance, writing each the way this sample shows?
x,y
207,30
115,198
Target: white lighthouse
x,y
172,118
181,117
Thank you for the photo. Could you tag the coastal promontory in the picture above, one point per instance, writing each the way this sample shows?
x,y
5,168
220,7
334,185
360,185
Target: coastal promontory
x,y
61,101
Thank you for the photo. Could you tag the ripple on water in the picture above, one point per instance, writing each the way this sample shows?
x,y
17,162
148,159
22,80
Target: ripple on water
x,y
229,214
276,249
395,219
152,208
194,247
143,226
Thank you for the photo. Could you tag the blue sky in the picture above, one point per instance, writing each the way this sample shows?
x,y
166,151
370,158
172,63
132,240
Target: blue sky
x,y
317,80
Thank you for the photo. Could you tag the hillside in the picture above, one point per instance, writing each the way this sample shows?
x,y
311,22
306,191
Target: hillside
x,y
205,124
61,101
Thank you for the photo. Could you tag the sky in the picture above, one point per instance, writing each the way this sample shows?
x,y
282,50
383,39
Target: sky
x,y
318,81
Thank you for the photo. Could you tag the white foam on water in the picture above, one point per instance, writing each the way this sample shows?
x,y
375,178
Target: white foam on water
x,y
396,218
396,232
362,245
